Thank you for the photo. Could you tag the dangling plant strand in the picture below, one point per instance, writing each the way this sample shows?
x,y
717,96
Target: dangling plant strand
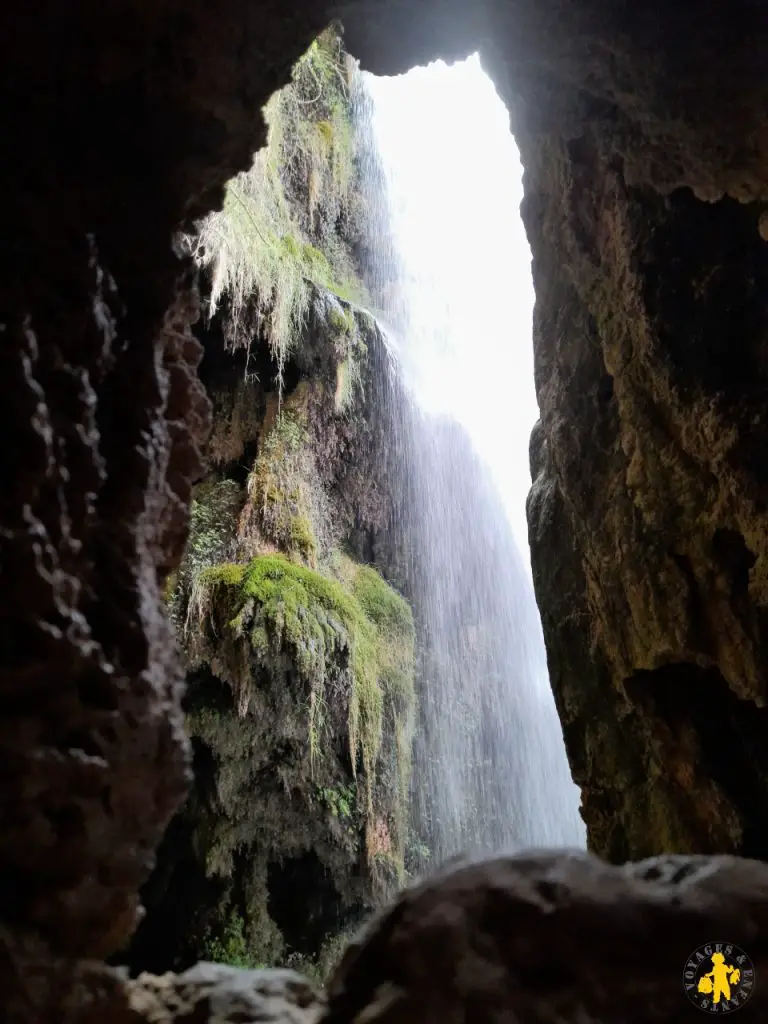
x,y
269,263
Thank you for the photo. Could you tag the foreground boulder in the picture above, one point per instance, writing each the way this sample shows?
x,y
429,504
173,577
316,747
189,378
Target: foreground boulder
x,y
213,992
561,938
555,937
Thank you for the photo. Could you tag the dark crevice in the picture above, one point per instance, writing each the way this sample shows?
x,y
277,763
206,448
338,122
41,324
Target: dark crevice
x,y
204,690
291,377
732,737
303,901
172,939
706,286
735,558
605,388
700,633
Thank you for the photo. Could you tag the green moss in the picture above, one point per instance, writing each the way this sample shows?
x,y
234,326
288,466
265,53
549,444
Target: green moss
x,y
351,351
302,538
213,525
230,946
228,574
325,131
299,608
169,587
362,631
321,73
287,506
341,801
393,618
287,436
341,319
265,252
383,606
316,268
320,272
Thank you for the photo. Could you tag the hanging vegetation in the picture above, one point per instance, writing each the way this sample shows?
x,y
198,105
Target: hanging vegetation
x,y
355,632
300,659
278,241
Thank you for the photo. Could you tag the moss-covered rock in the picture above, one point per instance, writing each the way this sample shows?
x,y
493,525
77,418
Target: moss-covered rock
x,y
300,706
282,238
300,659
287,506
215,508
350,643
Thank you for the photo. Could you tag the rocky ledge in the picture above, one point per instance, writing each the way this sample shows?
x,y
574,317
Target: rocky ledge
x,y
212,992
561,938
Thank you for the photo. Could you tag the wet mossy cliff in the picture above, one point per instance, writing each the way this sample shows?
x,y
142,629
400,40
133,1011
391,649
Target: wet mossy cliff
x,y
299,657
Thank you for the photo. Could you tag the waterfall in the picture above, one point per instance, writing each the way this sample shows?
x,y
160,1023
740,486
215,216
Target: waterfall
x,y
449,268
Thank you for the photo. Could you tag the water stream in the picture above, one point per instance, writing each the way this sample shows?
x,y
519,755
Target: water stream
x,y
449,267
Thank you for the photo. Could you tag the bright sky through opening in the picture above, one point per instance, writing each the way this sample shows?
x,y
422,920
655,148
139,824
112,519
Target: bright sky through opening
x,y
466,252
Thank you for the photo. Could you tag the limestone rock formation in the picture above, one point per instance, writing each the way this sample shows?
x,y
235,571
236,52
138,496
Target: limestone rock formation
x,y
647,514
299,658
212,992
554,939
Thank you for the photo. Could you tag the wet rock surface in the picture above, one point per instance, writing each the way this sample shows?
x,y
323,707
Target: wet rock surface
x,y
544,938
556,938
647,514
102,417
212,992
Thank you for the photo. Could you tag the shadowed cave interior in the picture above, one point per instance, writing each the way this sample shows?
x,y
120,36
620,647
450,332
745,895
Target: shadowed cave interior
x,y
642,134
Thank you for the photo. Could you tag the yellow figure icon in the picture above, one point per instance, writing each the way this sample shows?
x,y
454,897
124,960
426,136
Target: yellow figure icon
x,y
719,980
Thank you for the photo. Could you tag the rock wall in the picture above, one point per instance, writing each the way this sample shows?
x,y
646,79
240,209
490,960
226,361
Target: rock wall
x,y
647,513
299,659
643,135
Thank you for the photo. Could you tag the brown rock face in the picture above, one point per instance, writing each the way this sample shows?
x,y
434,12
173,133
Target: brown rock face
x,y
555,938
647,515
99,419
101,413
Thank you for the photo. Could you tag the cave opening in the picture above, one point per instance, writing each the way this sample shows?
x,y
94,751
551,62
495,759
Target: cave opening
x,y
366,285
448,257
